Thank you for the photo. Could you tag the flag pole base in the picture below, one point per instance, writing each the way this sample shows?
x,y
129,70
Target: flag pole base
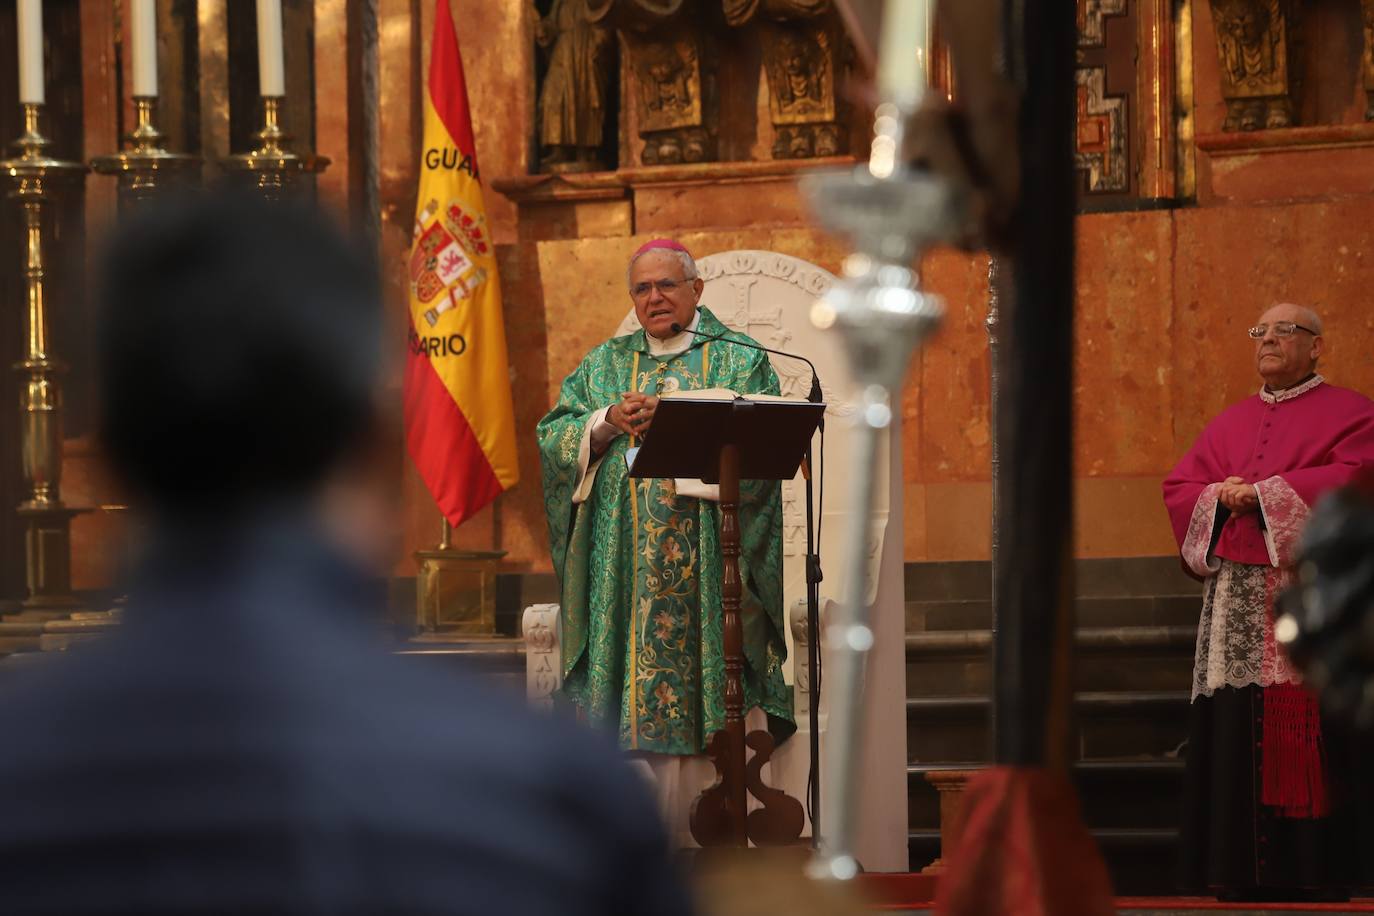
x,y
455,591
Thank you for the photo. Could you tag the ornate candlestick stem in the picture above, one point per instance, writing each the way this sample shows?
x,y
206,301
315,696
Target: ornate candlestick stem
x,y
993,323
891,214
47,544
272,166
142,162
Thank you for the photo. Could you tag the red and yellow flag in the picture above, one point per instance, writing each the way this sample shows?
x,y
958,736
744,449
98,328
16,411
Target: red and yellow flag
x,y
460,426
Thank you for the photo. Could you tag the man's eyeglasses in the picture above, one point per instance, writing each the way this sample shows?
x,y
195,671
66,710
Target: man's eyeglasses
x,y
1281,329
666,287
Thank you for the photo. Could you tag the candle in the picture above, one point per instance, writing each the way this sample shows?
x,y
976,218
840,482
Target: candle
x,y
145,47
31,52
271,68
903,51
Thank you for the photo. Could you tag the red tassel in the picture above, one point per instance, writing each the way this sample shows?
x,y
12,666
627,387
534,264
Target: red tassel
x,y
1293,754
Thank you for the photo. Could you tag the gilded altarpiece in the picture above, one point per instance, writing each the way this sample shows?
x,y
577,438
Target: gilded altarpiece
x,y
801,63
675,98
1124,103
1256,42
1102,141
1281,62
804,57
669,74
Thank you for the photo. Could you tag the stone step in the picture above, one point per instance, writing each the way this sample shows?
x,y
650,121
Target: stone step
x,y
24,615
979,642
40,632
1142,861
1092,612
1093,578
61,642
21,628
85,626
1139,792
499,661
959,662
1107,724
501,655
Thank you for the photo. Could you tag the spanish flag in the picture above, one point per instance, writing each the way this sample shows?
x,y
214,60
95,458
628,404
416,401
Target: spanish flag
x,y
460,426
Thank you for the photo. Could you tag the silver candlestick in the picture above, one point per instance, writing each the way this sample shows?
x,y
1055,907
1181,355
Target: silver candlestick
x,y
891,213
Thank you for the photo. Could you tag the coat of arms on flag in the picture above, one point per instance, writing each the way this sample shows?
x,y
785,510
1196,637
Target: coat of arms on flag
x,y
442,260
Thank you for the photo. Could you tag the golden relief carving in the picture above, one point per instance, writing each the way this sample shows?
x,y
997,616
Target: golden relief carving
x,y
572,97
669,77
802,55
1253,44
674,96
800,62
801,79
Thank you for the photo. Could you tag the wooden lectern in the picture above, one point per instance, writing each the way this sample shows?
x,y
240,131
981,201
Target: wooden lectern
x,y
726,441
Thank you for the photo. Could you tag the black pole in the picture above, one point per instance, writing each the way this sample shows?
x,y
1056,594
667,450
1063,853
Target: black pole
x,y
1034,578
813,651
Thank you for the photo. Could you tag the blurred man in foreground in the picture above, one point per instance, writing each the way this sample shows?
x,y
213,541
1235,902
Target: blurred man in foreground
x,y
243,743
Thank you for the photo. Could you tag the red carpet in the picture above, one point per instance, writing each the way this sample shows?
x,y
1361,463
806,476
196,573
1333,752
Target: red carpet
x,y
1358,905
896,893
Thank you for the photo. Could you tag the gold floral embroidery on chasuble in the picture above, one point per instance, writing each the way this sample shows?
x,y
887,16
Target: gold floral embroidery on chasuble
x,y
639,566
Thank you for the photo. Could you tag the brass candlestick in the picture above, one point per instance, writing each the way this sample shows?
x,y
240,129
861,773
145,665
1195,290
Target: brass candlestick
x,y
47,544
143,161
272,167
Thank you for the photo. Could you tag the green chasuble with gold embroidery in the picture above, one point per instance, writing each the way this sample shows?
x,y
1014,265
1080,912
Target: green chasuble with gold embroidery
x,y
640,567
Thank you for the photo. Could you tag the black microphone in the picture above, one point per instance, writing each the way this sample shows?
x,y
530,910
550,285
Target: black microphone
x,y
814,395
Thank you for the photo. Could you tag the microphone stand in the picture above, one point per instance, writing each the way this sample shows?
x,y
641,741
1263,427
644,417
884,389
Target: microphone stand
x,y
813,583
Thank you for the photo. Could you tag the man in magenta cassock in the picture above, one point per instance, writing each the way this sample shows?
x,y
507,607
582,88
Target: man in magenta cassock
x,y
1274,795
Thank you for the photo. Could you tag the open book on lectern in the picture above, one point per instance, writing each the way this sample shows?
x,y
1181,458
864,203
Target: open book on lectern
x,y
691,428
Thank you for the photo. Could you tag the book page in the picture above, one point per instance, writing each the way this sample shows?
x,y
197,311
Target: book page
x,y
721,394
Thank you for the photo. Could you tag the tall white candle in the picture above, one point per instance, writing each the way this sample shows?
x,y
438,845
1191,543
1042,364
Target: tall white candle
x,y
903,50
271,67
31,52
144,21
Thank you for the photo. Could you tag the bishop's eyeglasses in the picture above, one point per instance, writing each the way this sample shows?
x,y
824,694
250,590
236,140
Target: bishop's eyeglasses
x,y
1281,329
666,287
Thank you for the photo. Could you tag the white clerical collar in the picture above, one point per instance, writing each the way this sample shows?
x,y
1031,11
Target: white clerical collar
x,y
675,344
1287,394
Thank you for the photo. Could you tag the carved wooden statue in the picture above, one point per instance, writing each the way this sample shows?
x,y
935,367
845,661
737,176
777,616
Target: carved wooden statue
x,y
802,46
572,99
1253,45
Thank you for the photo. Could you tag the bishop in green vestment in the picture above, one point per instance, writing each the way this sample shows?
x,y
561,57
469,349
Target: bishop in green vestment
x,y
638,560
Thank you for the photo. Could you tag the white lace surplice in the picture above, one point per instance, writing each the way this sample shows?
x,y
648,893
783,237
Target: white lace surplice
x,y
1235,637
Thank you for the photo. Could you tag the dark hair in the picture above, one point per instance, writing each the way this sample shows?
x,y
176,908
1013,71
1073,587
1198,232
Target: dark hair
x,y
238,351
